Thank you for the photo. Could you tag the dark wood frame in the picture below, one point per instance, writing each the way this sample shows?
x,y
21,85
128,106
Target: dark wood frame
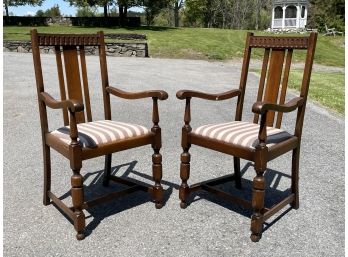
x,y
267,104
74,112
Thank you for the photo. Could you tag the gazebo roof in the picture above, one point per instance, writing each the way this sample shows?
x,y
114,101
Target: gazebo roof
x,y
275,2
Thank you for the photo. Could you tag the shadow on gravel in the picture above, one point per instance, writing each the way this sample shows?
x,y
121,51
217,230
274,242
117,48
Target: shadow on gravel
x,y
102,211
272,194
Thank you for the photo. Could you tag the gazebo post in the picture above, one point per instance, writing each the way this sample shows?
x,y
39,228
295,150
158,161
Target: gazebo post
x,y
298,15
283,20
272,22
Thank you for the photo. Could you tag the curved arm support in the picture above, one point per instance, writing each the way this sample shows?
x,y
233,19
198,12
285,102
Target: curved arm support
x,y
160,94
263,107
182,94
72,105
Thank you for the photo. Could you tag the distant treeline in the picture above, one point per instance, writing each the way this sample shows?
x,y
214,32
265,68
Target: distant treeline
x,y
230,14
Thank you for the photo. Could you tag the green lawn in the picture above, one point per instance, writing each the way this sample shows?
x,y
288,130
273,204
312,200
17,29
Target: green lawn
x,y
195,43
325,88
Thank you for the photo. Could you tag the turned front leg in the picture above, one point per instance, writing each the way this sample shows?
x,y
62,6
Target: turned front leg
x,y
77,193
184,190
77,196
258,196
157,157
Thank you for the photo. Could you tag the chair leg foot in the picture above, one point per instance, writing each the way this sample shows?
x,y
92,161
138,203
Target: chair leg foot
x,y
80,236
46,200
158,205
183,205
255,237
295,204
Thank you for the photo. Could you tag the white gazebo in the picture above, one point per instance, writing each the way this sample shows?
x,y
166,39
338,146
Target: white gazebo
x,y
289,14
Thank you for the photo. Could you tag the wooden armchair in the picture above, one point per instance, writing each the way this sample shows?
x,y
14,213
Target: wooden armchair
x,y
259,141
81,138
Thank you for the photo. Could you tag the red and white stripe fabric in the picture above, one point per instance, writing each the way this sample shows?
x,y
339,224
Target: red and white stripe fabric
x,y
92,134
241,133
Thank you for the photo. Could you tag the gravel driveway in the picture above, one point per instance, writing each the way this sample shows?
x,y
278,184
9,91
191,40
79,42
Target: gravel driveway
x,y
132,226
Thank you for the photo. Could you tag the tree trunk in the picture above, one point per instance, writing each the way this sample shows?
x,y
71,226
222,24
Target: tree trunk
x,y
176,14
106,10
6,8
258,14
120,11
125,11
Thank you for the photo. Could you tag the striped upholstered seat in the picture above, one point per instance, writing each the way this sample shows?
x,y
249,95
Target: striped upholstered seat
x,y
93,134
241,133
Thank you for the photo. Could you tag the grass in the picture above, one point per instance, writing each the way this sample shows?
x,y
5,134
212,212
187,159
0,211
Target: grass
x,y
325,88
195,43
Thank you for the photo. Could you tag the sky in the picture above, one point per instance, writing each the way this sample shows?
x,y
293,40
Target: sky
x,y
64,7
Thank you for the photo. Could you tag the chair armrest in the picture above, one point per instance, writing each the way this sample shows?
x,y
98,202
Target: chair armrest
x,y
293,104
72,105
160,94
182,94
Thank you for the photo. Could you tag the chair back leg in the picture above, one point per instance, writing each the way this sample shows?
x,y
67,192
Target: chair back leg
x,y
295,177
107,170
47,174
237,175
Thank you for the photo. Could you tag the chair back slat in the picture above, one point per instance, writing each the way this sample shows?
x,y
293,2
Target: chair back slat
x,y
273,81
73,80
85,83
284,85
61,82
262,80
275,73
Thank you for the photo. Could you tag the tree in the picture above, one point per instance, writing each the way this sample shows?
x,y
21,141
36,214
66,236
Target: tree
x,y
153,8
92,3
328,12
176,5
8,3
194,12
237,14
53,11
86,11
123,5
40,13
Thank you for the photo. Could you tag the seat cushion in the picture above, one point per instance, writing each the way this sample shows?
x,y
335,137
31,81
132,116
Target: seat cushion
x,y
93,134
241,133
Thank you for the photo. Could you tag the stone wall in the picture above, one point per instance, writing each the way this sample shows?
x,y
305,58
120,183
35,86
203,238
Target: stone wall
x,y
112,49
